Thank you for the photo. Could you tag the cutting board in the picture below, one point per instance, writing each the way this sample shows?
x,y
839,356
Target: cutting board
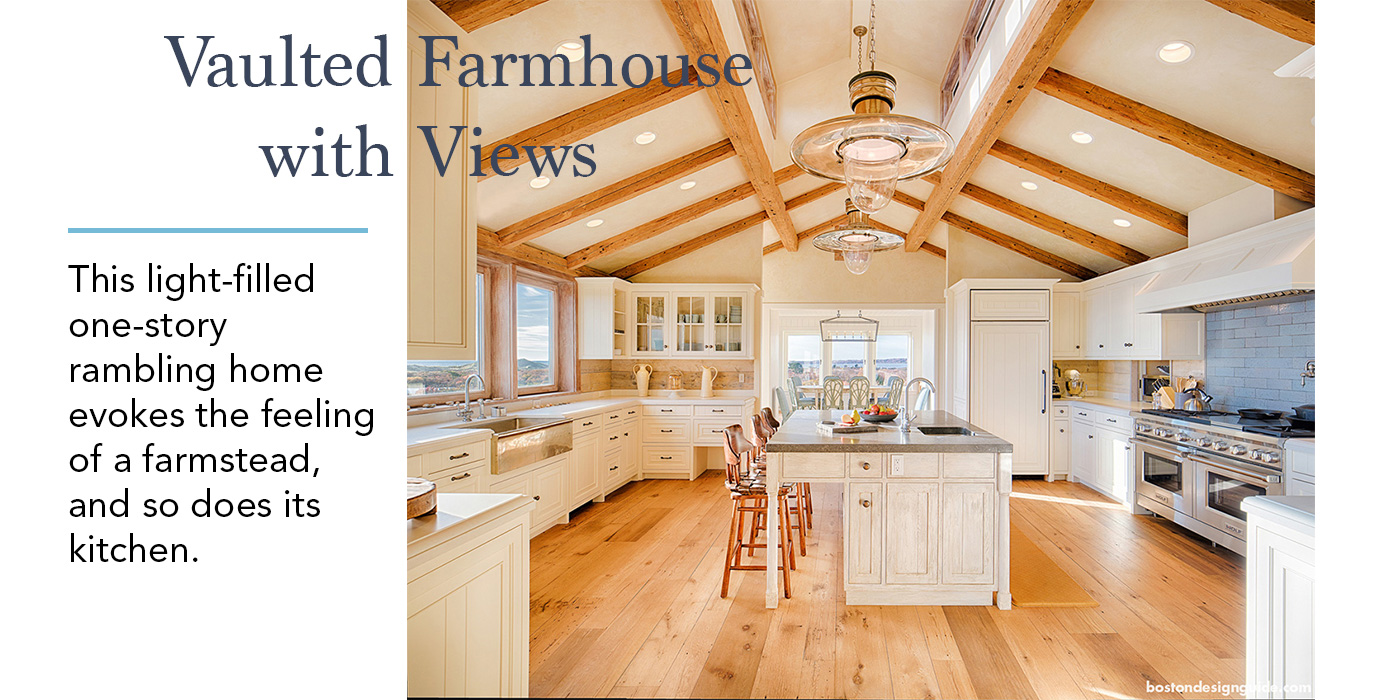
x,y
422,497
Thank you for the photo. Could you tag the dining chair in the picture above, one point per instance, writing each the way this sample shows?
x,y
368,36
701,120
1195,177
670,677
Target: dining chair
x,y
896,393
924,401
860,393
833,393
780,400
749,494
798,400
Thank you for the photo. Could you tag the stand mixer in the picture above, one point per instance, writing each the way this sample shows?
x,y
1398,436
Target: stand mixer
x,y
1074,385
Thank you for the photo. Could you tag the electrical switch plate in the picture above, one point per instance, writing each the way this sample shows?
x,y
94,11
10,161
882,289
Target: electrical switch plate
x,y
896,465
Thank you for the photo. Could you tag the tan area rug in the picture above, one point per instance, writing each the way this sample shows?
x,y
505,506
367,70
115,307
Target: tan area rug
x,y
1038,582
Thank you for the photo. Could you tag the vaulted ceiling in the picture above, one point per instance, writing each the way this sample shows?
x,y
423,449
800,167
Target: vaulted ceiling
x,y
1166,138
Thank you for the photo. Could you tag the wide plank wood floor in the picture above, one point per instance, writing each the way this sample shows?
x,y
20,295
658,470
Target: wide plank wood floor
x,y
624,602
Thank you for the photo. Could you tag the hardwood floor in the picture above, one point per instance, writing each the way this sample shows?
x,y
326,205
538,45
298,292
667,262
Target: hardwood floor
x,y
625,603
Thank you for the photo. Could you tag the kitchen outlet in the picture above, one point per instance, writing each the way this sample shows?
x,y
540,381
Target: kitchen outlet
x,y
741,377
896,465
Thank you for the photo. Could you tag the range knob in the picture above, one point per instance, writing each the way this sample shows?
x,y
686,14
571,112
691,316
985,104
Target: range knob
x,y
1183,437
1162,432
1268,457
1203,441
1238,450
1220,446
1254,454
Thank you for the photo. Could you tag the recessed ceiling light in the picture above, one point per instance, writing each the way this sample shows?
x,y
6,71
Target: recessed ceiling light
x,y
645,138
1124,223
539,182
594,223
570,49
1176,52
1082,137
687,184
1030,185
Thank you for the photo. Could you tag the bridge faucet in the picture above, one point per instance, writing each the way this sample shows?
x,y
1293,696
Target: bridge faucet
x,y
906,420
466,412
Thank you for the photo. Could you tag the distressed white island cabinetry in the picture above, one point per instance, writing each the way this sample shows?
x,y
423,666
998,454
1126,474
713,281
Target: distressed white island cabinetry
x,y
1280,608
927,516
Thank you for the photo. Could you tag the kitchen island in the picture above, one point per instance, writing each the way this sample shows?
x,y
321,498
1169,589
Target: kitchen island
x,y
927,513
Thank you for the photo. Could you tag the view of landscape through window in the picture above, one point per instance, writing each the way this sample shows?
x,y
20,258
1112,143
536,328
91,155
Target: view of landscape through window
x,y
445,376
881,361
534,336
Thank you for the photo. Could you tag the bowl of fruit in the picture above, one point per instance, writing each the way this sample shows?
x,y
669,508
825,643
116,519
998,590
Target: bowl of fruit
x,y
878,414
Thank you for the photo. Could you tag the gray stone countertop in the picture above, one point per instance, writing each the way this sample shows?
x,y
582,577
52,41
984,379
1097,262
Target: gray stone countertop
x,y
799,434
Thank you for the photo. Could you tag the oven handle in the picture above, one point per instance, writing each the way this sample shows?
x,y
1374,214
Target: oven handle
x,y
1254,479
1182,452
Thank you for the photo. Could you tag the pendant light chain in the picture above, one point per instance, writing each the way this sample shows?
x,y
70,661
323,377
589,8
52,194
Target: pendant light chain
x,y
872,34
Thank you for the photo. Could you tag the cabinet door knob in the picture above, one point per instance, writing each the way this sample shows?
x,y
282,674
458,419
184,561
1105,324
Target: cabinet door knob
x,y
1100,344
865,466
1127,345
537,498
864,502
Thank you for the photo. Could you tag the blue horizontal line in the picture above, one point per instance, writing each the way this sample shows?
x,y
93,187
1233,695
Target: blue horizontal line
x,y
193,229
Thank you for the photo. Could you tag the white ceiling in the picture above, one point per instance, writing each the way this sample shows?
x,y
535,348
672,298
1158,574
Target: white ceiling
x,y
1227,88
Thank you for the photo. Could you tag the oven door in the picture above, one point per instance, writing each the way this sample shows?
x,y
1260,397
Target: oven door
x,y
1221,488
1164,476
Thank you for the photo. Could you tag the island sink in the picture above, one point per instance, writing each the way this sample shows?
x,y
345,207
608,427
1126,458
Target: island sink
x,y
943,430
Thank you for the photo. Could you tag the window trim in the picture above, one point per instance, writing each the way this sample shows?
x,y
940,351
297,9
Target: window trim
x,y
555,286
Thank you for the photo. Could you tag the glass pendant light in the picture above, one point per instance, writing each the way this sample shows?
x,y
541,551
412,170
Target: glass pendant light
x,y
872,148
857,239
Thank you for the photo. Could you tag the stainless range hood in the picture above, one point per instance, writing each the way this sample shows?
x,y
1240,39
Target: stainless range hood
x,y
1265,264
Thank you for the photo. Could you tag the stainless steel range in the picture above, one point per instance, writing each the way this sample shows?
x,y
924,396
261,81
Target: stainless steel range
x,y
1195,468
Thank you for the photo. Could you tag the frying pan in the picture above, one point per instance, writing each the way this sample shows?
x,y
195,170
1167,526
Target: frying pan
x,y
1258,414
1306,412
1300,424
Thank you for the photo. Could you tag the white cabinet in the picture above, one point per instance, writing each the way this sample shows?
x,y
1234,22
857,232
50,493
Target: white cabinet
x,y
691,320
585,474
441,224
1060,446
1280,608
546,486
1066,331
1113,462
864,532
911,542
1300,468
1011,389
1109,328
967,532
1101,452
602,318
468,612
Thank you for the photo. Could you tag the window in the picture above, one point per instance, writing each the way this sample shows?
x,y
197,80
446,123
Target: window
x,y
804,359
809,360
849,360
891,358
535,340
427,377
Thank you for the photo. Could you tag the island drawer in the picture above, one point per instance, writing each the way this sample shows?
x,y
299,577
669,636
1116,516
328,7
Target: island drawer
x,y
969,465
666,430
915,465
865,465
666,410
813,465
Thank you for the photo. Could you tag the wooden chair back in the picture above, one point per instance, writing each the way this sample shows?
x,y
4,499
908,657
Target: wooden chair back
x,y
860,393
736,451
833,393
772,420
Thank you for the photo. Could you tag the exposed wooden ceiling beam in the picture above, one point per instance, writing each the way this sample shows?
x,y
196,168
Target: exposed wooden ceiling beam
x,y
659,225
487,241
823,227
1217,150
1060,228
1124,200
698,28
589,119
611,195
1291,18
758,52
1042,34
691,245
788,174
472,15
931,248
1041,256
909,200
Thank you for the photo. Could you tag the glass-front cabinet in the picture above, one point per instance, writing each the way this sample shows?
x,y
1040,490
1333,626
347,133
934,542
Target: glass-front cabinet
x,y
691,320
649,332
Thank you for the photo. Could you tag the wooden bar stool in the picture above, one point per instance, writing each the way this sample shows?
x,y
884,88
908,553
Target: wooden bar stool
x,y
750,495
762,430
805,488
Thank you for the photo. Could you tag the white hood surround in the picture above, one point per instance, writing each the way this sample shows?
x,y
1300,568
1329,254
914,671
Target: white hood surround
x,y
1263,264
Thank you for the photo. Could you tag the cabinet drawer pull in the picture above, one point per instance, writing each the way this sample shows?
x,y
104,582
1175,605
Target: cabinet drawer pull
x,y
464,454
717,410
666,458
614,416
614,437
667,430
668,410
632,413
865,503
463,475
612,469
865,466
720,430
588,424
537,498
1111,420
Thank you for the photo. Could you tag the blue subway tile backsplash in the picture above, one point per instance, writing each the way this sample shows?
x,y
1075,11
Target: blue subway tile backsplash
x,y
1254,356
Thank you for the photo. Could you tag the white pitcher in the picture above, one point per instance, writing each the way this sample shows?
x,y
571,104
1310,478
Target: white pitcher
x,y
643,378
707,381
